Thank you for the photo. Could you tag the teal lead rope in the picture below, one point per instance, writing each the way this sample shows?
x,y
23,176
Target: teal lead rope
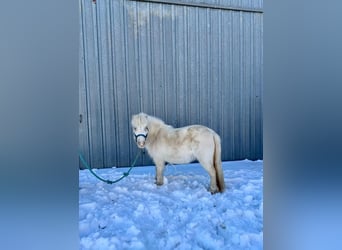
x,y
125,174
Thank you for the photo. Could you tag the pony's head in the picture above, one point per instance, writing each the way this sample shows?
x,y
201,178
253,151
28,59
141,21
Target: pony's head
x,y
140,129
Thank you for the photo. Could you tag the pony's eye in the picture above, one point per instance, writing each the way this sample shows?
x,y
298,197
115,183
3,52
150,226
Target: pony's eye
x,y
146,129
134,128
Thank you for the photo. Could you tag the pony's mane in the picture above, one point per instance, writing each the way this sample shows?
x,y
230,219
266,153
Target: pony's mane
x,y
155,126
155,120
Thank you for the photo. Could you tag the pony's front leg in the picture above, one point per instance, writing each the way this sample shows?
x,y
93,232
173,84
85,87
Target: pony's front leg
x,y
160,165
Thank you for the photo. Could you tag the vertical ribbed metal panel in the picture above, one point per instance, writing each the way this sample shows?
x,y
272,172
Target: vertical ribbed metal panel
x,y
182,63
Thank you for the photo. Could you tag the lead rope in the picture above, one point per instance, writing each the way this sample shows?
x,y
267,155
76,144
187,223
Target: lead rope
x,y
125,174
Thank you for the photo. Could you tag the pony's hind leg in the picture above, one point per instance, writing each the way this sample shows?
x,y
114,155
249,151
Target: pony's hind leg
x,y
209,167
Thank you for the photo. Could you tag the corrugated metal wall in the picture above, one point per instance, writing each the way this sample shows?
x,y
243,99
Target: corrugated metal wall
x,y
184,63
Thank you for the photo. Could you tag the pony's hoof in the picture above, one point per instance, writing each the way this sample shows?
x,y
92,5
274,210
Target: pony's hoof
x,y
214,191
159,183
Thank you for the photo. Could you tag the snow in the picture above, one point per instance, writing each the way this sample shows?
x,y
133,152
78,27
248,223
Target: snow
x,y
136,214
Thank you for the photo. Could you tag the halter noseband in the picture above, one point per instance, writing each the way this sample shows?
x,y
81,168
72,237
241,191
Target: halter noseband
x,y
136,136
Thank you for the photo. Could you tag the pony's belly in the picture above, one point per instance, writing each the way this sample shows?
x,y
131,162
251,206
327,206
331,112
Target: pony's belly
x,y
180,158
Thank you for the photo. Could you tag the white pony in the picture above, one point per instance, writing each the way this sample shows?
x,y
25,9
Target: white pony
x,y
180,146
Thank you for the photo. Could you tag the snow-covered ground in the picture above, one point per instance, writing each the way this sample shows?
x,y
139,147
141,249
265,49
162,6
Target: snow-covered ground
x,y
136,214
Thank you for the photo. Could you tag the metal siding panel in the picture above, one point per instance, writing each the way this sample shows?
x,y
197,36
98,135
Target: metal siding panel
x,y
193,64
168,84
214,70
248,86
92,84
121,85
83,128
133,93
173,90
252,87
183,64
226,83
144,56
157,60
236,72
259,85
224,4
106,83
119,78
202,53
115,30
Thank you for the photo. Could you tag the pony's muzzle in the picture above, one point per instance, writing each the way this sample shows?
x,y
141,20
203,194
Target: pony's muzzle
x,y
140,139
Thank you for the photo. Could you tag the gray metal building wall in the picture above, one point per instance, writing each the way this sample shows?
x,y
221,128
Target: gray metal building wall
x,y
187,62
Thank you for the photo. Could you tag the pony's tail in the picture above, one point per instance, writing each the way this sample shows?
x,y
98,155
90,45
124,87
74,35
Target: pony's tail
x,y
218,164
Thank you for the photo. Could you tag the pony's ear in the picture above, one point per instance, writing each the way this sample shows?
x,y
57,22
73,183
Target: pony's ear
x,y
143,115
